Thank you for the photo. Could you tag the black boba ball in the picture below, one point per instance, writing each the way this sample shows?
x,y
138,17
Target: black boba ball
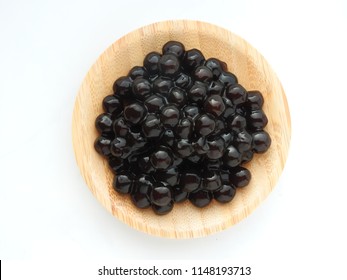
x,y
169,65
169,176
216,66
161,158
225,194
184,128
236,94
152,126
205,125
240,177
215,148
177,96
120,128
140,200
255,100
247,156
183,81
175,48
169,115
151,63
103,145
162,85
112,105
179,195
191,111
212,180
138,72
122,182
215,87
162,210
119,147
214,105
261,141
154,103
243,141
161,195
232,157
103,123
200,198
227,78
228,137
192,59
142,88
230,109
122,86
198,92
237,123
257,120
190,181
141,190
201,146
203,74
183,148
134,113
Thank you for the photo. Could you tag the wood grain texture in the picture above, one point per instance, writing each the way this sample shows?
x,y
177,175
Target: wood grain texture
x,y
253,72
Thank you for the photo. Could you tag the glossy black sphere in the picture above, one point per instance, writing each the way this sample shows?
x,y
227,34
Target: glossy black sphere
x,y
225,194
134,113
205,125
174,47
169,65
200,198
192,59
261,141
212,180
232,157
154,103
112,105
122,182
216,66
122,86
257,120
152,126
255,100
142,88
103,123
161,195
151,62
214,105
198,92
236,93
227,78
169,115
162,210
138,71
103,145
203,74
177,96
190,181
162,158
240,177
162,86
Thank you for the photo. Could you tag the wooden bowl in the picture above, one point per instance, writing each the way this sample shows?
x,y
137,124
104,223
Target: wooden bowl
x,y
253,72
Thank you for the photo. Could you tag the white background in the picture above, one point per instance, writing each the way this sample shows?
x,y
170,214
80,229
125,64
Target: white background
x,y
48,213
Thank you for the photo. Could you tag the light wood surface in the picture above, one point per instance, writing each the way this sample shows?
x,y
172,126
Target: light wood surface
x,y
253,72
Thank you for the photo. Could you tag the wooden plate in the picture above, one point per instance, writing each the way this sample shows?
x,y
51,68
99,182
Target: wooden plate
x,y
253,72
